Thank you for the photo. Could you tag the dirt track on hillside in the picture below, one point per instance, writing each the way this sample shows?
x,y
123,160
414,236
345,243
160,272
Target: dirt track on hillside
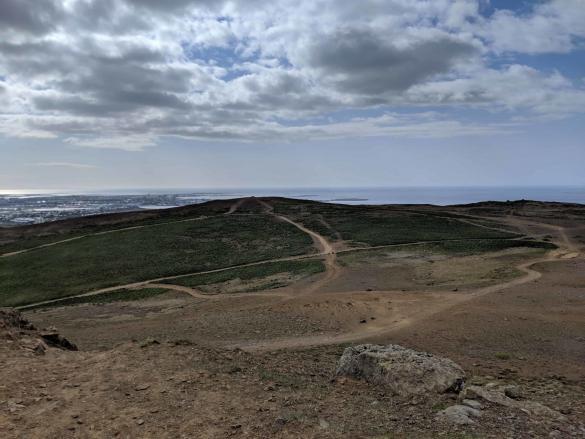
x,y
146,367
406,312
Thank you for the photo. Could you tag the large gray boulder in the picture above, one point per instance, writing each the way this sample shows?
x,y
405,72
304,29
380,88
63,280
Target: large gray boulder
x,y
404,371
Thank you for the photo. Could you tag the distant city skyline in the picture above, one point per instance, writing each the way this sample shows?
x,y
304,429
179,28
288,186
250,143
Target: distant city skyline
x,y
232,93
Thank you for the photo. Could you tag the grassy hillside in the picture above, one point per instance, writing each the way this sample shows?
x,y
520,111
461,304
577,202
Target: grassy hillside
x,y
111,259
122,295
447,248
23,237
118,249
295,269
382,225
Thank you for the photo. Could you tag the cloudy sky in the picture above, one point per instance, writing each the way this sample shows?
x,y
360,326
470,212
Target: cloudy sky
x,y
254,93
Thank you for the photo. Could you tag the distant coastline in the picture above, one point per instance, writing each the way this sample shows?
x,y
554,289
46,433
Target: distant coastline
x,y
35,206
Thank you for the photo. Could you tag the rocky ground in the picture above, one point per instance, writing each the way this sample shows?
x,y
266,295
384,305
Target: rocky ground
x,y
267,364
174,389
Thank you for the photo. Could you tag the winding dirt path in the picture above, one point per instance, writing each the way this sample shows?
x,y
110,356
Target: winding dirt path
x,y
387,325
152,282
332,268
157,281
234,207
325,248
387,322
326,251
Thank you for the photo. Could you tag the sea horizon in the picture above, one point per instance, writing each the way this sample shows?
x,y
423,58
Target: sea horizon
x,y
440,195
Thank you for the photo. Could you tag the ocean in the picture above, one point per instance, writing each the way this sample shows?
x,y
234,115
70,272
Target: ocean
x,y
35,206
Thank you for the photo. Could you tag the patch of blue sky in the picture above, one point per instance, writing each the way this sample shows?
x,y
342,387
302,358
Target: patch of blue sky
x,y
224,57
489,7
234,73
230,57
571,65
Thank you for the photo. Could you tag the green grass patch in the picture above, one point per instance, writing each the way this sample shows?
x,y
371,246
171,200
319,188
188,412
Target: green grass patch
x,y
35,241
300,268
451,248
27,237
437,407
382,225
122,295
484,246
102,261
502,356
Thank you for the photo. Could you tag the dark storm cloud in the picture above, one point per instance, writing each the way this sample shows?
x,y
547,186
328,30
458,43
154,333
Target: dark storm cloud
x,y
359,61
30,16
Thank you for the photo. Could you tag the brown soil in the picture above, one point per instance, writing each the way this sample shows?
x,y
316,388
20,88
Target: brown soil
x,y
261,364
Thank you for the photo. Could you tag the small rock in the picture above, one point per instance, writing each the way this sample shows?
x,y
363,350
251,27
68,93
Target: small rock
x,y
363,321
280,421
472,403
513,392
323,424
54,339
532,408
142,387
140,421
40,348
459,414
148,342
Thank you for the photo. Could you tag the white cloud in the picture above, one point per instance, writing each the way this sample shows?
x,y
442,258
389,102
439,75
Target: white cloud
x,y
511,88
254,70
552,26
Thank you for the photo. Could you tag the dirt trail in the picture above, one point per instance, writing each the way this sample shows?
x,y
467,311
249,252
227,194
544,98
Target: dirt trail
x,y
497,229
190,291
327,277
326,250
197,294
332,268
381,326
107,232
394,322
386,322
151,282
234,207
